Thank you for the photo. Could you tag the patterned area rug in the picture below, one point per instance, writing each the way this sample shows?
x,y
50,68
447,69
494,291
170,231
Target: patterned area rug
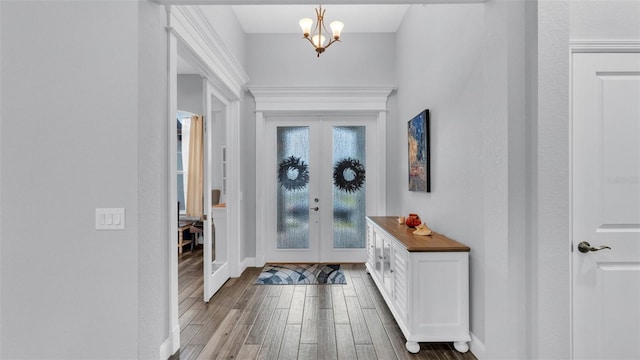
x,y
295,274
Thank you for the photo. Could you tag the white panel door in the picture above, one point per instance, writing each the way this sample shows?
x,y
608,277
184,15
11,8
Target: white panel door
x,y
216,248
606,205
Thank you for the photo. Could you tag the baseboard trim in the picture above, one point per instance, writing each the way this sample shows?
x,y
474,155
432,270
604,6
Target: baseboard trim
x,y
165,353
477,347
247,262
171,344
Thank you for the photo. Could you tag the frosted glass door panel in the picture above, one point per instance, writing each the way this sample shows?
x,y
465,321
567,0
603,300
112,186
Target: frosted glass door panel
x,y
293,187
349,181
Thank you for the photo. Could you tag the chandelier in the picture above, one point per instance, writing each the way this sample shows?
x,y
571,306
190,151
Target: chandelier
x,y
316,38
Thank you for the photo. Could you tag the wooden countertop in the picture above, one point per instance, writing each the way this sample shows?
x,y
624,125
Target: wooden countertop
x,y
417,243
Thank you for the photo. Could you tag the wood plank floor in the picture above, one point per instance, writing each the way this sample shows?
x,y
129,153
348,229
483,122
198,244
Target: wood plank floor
x,y
247,321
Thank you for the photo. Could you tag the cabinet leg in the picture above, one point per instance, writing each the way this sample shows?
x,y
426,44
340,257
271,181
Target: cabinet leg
x,y
461,346
412,347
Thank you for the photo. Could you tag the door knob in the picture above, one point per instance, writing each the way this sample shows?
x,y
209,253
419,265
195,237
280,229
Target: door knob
x,y
585,247
315,208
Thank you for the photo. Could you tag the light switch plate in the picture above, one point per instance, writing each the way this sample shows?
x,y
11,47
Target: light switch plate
x,y
110,219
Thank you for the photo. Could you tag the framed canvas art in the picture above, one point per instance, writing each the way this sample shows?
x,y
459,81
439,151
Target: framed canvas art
x,y
419,153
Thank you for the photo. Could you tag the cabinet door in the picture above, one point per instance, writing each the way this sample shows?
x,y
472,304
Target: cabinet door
x,y
379,241
387,258
439,295
400,280
371,246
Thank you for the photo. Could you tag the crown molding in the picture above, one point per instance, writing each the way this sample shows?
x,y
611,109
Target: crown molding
x,y
308,99
206,49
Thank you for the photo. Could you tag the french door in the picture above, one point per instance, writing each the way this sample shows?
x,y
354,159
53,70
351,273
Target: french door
x,y
320,190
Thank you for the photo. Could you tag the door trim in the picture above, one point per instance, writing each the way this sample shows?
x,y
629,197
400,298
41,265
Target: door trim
x,y
604,46
189,32
307,101
575,47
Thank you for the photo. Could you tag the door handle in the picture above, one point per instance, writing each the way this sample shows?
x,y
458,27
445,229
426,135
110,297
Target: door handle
x,y
315,208
585,247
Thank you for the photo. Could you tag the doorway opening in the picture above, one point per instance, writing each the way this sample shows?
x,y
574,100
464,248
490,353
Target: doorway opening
x,y
201,173
191,41
193,92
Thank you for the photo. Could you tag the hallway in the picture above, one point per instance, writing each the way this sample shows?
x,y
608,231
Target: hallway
x,y
247,321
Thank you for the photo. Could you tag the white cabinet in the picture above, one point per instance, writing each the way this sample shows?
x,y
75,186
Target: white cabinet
x,y
424,281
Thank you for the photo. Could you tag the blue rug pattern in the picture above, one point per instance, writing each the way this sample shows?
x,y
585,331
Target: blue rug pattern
x,y
301,274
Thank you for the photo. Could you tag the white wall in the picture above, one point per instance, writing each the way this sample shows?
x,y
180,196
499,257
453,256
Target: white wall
x,y
604,20
154,238
1,297
550,241
69,145
190,94
439,68
248,173
505,198
466,64
289,60
223,19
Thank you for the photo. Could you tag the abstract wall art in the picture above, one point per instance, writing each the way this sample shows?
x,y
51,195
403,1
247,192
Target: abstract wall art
x,y
419,153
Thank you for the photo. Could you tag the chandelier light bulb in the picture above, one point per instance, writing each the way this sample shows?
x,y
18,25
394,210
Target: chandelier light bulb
x,y
336,27
319,44
306,24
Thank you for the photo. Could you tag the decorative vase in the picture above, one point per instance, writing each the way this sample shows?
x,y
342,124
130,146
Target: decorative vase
x,y
413,220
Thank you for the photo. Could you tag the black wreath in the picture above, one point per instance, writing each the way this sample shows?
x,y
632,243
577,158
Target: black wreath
x,y
348,185
300,181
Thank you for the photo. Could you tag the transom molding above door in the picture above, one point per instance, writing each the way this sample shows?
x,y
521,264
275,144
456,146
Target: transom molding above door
x,y
313,99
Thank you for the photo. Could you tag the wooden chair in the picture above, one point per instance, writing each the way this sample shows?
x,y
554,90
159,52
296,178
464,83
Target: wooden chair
x,y
196,230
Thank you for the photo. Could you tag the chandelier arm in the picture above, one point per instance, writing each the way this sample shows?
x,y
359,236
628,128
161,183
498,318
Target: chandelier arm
x,y
331,42
324,27
310,41
319,21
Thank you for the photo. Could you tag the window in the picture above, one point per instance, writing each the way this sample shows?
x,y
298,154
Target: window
x,y
183,130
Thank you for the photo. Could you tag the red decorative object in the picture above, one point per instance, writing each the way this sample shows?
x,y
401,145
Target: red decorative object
x,y
413,220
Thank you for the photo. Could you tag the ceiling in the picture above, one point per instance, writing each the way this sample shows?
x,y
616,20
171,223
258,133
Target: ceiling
x,y
284,18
